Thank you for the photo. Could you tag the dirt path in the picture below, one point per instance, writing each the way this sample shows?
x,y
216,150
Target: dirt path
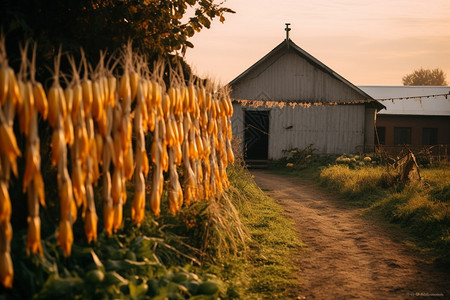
x,y
349,257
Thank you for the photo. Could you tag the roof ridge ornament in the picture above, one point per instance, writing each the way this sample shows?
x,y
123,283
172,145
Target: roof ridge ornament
x,y
287,30
287,33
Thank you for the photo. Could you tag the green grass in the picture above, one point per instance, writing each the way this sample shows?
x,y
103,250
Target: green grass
x,y
266,270
420,209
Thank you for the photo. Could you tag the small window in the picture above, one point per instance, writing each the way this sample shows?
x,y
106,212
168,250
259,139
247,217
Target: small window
x,y
429,136
381,135
402,136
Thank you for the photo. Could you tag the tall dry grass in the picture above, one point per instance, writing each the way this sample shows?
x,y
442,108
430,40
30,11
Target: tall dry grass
x,y
422,208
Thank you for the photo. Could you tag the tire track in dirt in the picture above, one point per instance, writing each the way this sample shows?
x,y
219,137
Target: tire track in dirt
x,y
349,257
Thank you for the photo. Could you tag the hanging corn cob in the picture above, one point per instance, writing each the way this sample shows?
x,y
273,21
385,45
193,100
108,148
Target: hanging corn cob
x,y
94,117
138,205
10,100
32,98
107,155
158,157
56,116
174,103
7,149
189,175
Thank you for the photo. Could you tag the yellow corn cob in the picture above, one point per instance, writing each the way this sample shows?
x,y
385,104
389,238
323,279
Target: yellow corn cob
x,y
8,142
170,135
39,185
68,131
124,87
165,104
149,96
112,86
105,89
34,235
223,105
155,196
14,90
172,93
64,237
68,96
176,134
108,217
62,102
192,99
97,100
153,150
118,215
208,100
31,167
66,198
200,146
156,93
6,269
86,87
201,94
138,205
128,163
152,119
5,203
73,211
99,144
125,133
84,142
178,154
164,159
90,226
118,151
180,101
230,105
57,144
102,124
94,171
230,154
78,184
40,99
116,186
76,101
134,80
24,114
4,82
145,163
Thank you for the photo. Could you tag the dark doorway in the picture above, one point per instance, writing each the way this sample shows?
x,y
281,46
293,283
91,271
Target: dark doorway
x,y
256,134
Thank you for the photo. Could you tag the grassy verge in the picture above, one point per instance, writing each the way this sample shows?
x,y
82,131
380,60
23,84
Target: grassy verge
x,y
421,209
265,269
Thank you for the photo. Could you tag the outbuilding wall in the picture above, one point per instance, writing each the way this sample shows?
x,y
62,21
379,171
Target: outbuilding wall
x,y
330,129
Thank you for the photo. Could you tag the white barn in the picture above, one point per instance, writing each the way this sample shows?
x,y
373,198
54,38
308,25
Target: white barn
x,y
289,99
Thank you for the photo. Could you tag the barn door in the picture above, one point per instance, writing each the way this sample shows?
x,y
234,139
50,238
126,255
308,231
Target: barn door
x,y
256,134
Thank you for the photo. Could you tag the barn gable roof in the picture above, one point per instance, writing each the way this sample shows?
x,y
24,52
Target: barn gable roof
x,y
328,86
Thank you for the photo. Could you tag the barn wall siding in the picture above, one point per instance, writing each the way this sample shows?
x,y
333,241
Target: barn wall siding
x,y
330,129
291,77
237,125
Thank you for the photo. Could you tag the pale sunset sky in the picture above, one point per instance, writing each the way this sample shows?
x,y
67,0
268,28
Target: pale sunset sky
x,y
368,42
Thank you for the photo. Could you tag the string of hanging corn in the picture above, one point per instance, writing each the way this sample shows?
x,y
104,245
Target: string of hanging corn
x,y
95,118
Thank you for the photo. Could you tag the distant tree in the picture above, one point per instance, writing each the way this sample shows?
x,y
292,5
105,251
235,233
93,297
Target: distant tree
x,y
425,77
